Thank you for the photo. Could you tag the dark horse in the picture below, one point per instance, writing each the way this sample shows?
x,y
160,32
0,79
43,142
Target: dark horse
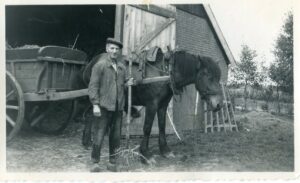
x,y
186,69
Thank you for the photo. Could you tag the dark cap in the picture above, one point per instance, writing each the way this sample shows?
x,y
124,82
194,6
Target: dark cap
x,y
114,41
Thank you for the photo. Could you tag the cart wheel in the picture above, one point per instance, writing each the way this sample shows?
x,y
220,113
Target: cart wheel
x,y
51,117
15,106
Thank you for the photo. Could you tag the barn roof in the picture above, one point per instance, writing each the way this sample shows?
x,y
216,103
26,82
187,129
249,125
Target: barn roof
x,y
219,33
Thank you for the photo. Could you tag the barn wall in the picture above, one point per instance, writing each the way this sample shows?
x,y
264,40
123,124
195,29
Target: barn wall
x,y
192,9
195,35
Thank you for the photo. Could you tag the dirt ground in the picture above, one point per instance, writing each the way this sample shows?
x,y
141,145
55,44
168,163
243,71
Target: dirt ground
x,y
265,142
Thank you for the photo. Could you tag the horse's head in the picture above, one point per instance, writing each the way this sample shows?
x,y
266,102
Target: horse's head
x,y
207,82
203,71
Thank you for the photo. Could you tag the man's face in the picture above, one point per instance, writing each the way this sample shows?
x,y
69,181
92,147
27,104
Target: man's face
x,y
113,50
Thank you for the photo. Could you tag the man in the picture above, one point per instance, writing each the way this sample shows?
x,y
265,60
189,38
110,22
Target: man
x,y
106,92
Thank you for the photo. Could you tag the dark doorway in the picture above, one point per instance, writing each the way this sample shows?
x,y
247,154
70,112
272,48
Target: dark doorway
x,y
60,25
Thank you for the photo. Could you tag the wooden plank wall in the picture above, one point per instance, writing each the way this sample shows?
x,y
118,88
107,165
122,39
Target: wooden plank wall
x,y
27,73
139,23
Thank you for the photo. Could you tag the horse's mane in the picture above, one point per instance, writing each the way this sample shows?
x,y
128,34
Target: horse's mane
x,y
188,63
211,65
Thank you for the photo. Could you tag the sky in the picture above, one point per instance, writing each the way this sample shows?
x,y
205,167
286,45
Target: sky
x,y
251,22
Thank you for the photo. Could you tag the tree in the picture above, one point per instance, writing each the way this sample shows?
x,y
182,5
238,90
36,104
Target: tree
x,y
281,71
245,71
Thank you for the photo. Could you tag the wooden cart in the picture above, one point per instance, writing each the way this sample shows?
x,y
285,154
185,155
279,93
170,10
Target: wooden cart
x,y
40,87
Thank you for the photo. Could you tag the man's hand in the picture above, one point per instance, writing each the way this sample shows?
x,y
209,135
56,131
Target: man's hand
x,y
130,82
96,110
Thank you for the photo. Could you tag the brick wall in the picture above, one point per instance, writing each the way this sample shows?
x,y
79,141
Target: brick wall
x,y
194,34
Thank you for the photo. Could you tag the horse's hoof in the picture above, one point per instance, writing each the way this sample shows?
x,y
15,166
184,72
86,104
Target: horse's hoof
x,y
87,145
148,161
95,168
151,161
168,154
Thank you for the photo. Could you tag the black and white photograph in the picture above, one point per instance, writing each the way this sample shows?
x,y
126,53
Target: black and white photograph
x,y
144,88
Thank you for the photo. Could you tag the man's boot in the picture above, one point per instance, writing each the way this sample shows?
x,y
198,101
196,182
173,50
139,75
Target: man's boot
x,y
113,167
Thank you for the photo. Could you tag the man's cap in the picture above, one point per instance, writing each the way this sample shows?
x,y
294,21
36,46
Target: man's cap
x,y
114,41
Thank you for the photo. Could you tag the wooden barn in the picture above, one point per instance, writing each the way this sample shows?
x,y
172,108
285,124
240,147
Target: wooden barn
x,y
191,27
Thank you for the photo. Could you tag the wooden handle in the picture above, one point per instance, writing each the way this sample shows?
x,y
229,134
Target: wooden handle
x,y
129,107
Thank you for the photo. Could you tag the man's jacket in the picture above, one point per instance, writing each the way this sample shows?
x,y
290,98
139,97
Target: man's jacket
x,y
106,87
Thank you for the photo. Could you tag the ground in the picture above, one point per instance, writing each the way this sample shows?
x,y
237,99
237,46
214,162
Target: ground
x,y
265,142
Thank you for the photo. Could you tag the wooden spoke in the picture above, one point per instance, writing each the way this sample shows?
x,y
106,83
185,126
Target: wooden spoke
x,y
15,106
38,119
10,121
10,93
12,107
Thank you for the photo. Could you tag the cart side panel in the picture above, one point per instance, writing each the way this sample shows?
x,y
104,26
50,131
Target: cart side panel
x,y
25,73
49,67
41,75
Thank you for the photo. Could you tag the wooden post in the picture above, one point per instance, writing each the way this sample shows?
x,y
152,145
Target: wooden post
x,y
12,67
223,119
54,76
129,109
232,111
196,109
119,22
211,121
226,106
205,117
196,105
217,119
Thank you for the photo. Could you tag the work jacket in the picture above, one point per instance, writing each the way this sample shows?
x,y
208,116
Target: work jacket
x,y
106,86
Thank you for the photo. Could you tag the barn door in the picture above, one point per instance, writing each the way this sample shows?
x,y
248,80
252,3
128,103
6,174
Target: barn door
x,y
145,27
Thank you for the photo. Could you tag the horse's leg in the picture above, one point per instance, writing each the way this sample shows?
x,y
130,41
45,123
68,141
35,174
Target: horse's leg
x,y
161,116
87,131
87,134
149,117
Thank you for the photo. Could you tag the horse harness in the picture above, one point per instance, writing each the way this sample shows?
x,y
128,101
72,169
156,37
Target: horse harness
x,y
155,54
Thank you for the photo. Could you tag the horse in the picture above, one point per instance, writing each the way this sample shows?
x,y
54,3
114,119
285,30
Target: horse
x,y
185,69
